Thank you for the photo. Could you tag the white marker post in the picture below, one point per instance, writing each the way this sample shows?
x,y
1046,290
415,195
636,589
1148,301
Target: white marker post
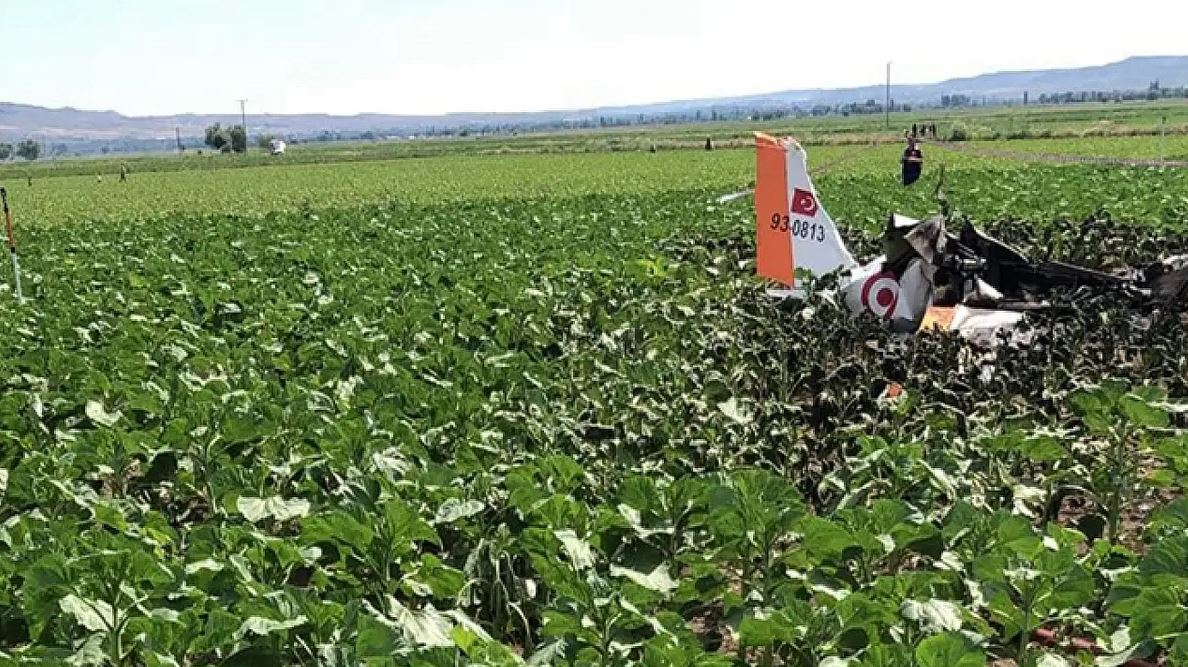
x,y
16,262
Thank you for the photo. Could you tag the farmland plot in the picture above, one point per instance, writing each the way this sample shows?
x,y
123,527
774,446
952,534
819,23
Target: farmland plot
x,y
858,183
568,427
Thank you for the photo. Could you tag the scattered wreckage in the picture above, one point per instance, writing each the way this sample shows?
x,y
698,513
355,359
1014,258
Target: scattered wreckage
x,y
928,277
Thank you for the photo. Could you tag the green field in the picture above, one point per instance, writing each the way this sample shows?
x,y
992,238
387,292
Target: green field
x,y
1131,119
853,179
535,408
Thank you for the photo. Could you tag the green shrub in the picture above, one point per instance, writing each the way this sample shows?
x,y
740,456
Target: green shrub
x,y
959,132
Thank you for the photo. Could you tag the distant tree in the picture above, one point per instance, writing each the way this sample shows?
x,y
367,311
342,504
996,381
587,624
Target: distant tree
x,y
5,151
265,141
238,138
216,137
29,149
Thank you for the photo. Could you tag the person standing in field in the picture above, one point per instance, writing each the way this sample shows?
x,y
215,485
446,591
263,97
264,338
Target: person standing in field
x,y
123,173
913,162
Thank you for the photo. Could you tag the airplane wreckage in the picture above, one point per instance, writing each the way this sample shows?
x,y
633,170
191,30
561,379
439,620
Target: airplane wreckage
x,y
928,277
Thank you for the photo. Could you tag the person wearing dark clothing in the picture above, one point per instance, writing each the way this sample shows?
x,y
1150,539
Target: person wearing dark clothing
x,y
914,129
913,163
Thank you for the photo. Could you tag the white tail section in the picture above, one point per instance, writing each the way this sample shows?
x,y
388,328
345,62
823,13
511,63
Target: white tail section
x,y
794,231
816,243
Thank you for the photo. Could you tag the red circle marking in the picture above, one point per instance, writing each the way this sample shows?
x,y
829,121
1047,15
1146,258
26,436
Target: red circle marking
x,y
886,294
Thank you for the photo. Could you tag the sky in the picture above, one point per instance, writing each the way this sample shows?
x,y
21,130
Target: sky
x,y
147,57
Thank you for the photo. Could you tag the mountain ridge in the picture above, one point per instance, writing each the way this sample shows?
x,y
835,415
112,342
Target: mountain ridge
x,y
70,124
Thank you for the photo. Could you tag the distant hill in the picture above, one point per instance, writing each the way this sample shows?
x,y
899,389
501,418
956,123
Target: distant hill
x,y
74,127
1131,74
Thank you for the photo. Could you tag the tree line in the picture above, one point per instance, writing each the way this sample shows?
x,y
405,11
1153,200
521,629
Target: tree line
x,y
1155,92
27,149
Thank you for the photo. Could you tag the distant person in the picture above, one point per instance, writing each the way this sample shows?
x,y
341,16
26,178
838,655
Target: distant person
x,y
912,162
123,173
914,130
709,144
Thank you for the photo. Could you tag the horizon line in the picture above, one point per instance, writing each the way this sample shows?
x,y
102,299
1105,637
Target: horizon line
x,y
689,100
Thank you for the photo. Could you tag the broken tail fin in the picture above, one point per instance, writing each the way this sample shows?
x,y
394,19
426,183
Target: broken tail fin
x,y
792,228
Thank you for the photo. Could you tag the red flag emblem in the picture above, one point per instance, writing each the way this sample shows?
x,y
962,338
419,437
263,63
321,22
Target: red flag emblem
x,y
804,203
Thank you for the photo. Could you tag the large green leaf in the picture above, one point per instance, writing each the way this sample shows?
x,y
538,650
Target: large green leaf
x,y
273,507
454,509
1142,413
258,626
94,615
580,554
657,580
97,412
933,615
949,649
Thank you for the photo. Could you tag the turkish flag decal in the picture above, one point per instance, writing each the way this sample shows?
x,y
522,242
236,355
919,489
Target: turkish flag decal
x,y
804,203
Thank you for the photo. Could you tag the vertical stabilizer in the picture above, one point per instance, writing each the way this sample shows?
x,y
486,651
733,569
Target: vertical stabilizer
x,y
792,228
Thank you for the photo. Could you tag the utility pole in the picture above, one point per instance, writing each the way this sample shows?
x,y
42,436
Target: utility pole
x,y
177,133
1163,137
887,105
243,120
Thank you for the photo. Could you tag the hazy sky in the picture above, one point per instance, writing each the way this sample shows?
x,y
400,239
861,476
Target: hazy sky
x,y
432,56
